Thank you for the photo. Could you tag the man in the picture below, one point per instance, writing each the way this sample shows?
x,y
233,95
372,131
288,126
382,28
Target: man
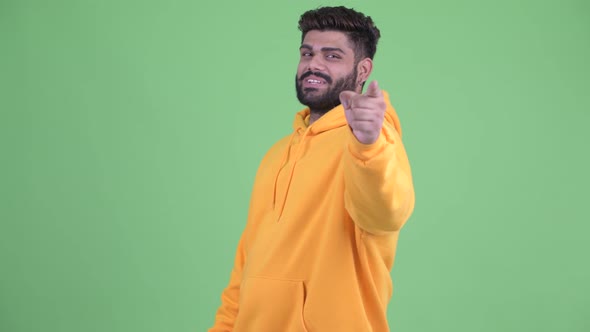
x,y
329,200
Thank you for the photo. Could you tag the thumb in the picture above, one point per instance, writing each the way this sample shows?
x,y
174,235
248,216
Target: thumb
x,y
346,97
373,90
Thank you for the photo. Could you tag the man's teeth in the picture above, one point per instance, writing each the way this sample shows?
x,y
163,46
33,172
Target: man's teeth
x,y
314,81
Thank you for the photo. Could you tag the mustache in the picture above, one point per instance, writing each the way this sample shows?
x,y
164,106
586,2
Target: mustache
x,y
318,74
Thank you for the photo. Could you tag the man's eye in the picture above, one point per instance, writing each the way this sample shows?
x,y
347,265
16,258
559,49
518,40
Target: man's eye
x,y
333,56
306,54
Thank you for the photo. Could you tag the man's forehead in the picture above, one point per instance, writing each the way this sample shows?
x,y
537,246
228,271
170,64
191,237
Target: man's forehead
x,y
327,38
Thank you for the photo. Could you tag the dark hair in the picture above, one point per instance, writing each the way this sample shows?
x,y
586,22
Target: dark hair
x,y
360,29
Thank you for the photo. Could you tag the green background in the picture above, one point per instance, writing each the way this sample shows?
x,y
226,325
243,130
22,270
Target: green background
x,y
130,132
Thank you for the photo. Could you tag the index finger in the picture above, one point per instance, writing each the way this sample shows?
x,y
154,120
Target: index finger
x,y
373,90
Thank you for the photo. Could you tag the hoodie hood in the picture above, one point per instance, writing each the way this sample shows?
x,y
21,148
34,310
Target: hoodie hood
x,y
336,118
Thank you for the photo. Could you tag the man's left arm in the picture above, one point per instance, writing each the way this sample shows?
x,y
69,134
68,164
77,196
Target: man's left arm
x,y
379,192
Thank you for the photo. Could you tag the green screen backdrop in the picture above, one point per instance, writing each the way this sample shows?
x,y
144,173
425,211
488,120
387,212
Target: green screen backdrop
x,y
130,133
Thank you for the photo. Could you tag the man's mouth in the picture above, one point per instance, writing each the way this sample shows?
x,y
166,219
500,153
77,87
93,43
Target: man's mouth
x,y
312,79
313,82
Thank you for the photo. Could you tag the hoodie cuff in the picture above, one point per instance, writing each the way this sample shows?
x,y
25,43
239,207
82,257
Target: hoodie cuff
x,y
365,152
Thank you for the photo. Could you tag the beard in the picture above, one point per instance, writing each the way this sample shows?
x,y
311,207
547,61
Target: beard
x,y
322,103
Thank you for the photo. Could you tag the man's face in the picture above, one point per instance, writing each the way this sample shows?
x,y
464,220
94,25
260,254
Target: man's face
x,y
326,68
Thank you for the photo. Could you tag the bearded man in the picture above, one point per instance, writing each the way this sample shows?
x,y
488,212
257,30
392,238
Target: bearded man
x,y
329,200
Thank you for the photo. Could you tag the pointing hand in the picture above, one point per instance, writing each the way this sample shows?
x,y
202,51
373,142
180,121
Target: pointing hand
x,y
364,112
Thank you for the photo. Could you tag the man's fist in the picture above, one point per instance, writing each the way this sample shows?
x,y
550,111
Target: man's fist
x,y
364,112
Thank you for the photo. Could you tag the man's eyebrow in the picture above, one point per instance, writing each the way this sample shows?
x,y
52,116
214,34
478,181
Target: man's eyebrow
x,y
323,49
332,49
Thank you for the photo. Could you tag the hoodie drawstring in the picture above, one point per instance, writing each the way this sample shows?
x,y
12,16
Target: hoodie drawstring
x,y
291,171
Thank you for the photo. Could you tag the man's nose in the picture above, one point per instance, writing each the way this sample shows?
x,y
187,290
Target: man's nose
x,y
316,63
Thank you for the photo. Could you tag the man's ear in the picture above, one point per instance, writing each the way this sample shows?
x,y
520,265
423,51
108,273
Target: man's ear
x,y
364,69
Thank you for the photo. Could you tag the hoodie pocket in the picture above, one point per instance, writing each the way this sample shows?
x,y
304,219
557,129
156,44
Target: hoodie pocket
x,y
271,305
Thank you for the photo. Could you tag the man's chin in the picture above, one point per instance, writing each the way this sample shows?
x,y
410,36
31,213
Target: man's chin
x,y
314,98
314,93
312,101
311,91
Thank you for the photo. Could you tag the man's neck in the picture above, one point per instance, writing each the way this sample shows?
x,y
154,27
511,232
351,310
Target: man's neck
x,y
315,115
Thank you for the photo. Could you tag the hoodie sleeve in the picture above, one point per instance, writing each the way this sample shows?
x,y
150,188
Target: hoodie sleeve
x,y
379,192
227,312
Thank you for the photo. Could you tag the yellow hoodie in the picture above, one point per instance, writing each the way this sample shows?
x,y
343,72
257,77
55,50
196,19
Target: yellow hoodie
x,y
322,229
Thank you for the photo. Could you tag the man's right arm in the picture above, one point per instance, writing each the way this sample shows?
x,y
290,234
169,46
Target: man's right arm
x,y
227,312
